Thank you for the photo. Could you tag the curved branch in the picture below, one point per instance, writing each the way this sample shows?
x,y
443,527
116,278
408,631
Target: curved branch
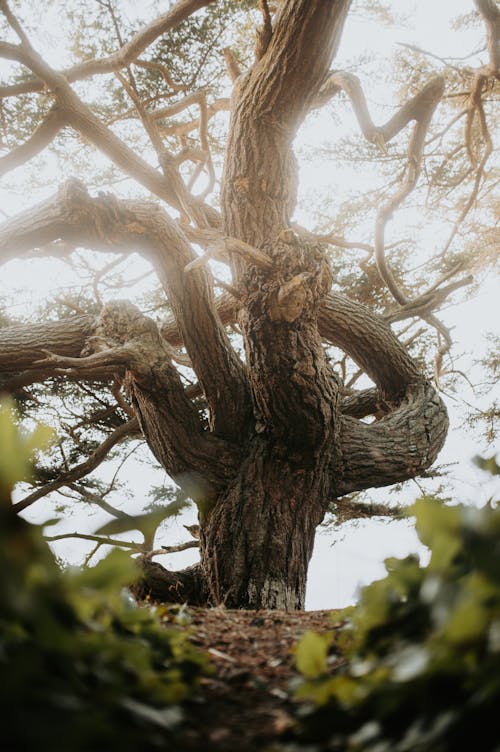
x,y
125,55
370,342
105,223
419,108
41,137
399,446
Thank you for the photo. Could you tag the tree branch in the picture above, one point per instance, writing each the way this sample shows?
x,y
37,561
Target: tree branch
x,y
22,345
101,539
304,40
125,55
79,116
79,471
491,16
106,223
41,137
401,445
157,583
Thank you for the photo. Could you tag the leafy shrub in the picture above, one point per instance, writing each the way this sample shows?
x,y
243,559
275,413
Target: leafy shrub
x,y
81,667
422,647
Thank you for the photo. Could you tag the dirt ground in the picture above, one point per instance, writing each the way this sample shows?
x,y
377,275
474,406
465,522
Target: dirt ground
x,y
247,704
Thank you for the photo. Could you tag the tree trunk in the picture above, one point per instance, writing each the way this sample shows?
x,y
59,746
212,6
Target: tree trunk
x,y
257,541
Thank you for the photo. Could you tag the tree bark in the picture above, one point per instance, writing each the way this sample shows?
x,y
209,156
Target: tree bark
x,y
257,541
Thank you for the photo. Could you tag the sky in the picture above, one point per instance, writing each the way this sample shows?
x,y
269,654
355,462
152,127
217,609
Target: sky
x,y
354,555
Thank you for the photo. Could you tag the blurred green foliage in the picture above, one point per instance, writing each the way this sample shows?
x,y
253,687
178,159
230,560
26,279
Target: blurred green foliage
x,y
82,668
420,653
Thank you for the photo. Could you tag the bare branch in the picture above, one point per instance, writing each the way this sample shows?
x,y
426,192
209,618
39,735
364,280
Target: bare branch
x,y
223,246
127,54
151,65
79,471
172,549
41,137
476,106
101,539
99,501
430,301
182,129
77,114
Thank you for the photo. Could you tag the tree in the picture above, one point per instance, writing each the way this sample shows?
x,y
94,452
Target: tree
x,y
265,439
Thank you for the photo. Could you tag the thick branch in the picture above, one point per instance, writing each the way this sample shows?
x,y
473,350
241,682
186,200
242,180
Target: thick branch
x,y
370,342
197,460
491,16
401,445
363,403
305,38
108,224
184,586
21,346
352,327
269,106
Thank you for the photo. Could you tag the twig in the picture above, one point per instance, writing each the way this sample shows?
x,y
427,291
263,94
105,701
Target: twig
x,y
78,471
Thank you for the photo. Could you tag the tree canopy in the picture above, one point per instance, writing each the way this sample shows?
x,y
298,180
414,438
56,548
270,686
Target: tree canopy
x,y
272,369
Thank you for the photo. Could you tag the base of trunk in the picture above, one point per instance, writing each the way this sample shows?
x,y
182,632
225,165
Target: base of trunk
x,y
258,539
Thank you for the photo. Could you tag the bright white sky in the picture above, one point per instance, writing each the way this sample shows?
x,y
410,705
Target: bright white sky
x,y
356,556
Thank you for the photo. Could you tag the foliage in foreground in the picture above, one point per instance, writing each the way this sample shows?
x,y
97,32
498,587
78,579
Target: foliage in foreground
x,y
81,667
422,647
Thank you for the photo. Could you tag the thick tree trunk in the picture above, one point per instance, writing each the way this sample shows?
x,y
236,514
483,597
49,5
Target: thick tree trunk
x,y
257,541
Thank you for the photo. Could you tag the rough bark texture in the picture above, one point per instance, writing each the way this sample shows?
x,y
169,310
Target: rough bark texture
x,y
282,439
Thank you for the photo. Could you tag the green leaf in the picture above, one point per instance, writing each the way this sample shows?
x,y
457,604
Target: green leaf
x,y
311,654
145,523
16,448
488,464
115,571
